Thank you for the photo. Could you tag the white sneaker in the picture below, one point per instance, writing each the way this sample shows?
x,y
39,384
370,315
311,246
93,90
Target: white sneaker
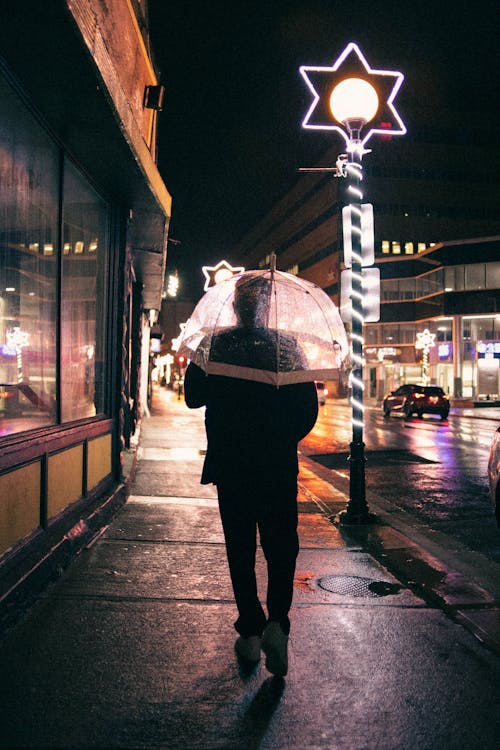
x,y
275,647
248,648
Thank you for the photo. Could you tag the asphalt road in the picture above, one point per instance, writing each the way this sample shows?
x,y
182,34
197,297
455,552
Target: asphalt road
x,y
433,469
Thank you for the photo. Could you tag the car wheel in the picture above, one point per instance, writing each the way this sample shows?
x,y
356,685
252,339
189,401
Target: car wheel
x,y
444,415
420,414
408,411
387,412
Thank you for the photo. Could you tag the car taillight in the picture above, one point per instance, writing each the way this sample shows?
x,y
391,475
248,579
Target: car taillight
x,y
419,395
325,391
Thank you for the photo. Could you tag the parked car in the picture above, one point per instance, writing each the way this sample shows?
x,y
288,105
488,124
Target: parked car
x,y
494,473
322,392
417,399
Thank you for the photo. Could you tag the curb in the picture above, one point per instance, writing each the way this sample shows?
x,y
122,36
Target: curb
x,y
456,595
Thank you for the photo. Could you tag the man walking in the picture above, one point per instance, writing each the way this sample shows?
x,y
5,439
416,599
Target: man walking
x,y
253,429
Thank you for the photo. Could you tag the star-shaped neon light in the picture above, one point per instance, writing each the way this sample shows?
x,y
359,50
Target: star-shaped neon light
x,y
17,338
220,272
352,63
425,340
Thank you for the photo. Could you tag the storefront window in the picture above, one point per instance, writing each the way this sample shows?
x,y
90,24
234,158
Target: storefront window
x,y
53,298
83,298
28,268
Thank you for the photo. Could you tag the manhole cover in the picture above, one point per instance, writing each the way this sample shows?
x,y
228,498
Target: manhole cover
x,y
373,458
358,586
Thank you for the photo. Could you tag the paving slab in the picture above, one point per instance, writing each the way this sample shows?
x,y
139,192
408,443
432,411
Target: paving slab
x,y
165,675
134,646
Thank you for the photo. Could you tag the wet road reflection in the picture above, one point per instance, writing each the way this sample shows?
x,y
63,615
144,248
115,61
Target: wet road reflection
x,y
450,494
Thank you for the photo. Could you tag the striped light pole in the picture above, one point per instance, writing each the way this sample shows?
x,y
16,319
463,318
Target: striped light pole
x,y
356,101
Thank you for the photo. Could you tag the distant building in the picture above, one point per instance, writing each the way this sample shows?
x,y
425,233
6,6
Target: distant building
x,y
83,231
453,291
434,192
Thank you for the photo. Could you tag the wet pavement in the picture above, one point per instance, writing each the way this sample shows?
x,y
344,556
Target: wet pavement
x,y
394,644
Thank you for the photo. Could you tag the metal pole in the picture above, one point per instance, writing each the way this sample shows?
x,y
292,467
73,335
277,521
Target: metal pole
x,y
357,509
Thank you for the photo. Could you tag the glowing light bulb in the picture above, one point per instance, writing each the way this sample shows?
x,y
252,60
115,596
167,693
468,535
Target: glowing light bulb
x,y
222,275
353,99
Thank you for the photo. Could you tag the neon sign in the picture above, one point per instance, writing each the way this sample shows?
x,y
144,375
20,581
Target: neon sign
x,y
321,81
220,272
488,350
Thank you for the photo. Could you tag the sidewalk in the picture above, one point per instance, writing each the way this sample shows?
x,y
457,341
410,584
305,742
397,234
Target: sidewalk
x,y
134,646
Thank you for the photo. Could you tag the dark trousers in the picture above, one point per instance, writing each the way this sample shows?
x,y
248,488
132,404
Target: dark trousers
x,y
269,505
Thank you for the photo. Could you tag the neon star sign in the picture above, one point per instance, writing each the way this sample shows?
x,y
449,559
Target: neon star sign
x,y
17,338
425,340
326,83
220,272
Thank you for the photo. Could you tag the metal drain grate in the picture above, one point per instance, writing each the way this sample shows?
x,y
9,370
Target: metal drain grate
x,y
358,586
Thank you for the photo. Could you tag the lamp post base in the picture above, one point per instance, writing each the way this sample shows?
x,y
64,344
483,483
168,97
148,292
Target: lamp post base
x,y
357,512
349,518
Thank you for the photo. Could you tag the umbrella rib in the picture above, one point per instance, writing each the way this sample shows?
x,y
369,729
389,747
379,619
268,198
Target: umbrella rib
x,y
278,342
324,316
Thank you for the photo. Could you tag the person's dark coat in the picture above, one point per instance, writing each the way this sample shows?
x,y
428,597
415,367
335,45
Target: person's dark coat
x,y
252,428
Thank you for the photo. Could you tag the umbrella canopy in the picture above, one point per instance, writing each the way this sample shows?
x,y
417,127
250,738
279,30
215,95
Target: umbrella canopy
x,y
268,326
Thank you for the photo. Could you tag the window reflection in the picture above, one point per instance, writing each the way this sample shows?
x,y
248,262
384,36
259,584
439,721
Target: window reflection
x,y
82,299
40,270
28,271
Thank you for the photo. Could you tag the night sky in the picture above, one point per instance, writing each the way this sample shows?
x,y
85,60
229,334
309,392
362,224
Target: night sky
x,y
230,136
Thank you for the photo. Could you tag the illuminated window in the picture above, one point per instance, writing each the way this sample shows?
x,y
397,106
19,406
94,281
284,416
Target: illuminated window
x,y
53,343
385,246
29,165
409,250
421,247
396,248
83,295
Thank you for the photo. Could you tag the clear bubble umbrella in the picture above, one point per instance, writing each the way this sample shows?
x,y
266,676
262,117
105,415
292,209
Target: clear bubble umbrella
x,y
268,326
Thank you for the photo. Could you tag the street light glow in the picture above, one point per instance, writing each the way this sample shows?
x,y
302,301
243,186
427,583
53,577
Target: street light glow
x,y
354,99
222,275
222,271
322,82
